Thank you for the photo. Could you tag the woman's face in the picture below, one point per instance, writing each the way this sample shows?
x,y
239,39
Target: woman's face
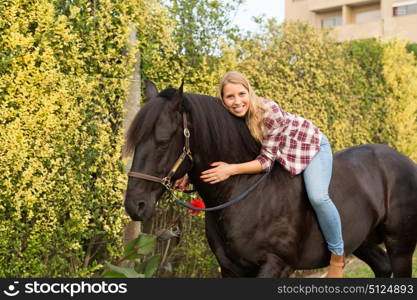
x,y
236,99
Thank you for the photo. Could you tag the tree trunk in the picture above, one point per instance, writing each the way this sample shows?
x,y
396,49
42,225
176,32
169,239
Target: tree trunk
x,y
131,107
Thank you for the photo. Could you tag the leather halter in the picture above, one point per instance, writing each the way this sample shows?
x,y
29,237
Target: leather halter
x,y
166,181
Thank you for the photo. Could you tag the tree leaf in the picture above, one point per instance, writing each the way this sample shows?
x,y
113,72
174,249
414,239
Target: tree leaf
x,y
112,274
146,244
134,256
140,267
151,266
130,246
128,272
168,267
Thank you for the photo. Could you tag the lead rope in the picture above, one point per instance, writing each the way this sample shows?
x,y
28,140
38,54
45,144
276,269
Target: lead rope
x,y
221,206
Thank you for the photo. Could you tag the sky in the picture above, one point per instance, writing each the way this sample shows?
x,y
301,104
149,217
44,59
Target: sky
x,y
271,8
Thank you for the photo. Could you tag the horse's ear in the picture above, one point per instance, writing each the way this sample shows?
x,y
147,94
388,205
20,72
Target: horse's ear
x,y
181,89
178,98
150,89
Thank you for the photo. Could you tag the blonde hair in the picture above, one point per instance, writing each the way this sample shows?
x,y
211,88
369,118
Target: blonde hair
x,y
256,111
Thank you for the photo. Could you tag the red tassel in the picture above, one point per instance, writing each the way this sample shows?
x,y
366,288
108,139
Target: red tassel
x,y
196,203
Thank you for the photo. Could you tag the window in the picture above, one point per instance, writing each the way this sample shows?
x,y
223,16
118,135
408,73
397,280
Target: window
x,y
404,8
332,21
367,16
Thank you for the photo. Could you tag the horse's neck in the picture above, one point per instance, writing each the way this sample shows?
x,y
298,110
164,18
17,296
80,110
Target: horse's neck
x,y
216,194
205,152
212,194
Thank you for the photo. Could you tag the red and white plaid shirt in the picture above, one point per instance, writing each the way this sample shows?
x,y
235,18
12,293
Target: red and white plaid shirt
x,y
288,138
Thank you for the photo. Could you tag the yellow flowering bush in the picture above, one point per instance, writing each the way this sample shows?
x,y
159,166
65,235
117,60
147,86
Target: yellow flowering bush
x,y
64,72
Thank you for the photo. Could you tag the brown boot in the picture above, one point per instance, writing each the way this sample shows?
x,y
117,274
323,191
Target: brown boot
x,y
337,262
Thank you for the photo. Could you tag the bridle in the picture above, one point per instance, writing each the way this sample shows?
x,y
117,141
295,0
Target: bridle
x,y
186,152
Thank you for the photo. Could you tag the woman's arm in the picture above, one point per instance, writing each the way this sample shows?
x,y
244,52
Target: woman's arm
x,y
222,170
250,167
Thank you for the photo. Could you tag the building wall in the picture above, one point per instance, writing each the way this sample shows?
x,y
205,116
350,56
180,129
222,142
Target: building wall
x,y
320,5
359,31
363,14
322,16
298,11
404,27
360,18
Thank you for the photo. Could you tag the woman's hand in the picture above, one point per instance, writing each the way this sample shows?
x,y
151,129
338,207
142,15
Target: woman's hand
x,y
181,183
220,172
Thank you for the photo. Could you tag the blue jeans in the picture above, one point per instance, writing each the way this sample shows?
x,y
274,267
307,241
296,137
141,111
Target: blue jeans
x,y
317,179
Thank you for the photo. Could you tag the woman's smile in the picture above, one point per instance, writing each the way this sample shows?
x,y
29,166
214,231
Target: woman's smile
x,y
236,99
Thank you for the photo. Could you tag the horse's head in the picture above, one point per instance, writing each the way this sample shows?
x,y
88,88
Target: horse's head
x,y
157,137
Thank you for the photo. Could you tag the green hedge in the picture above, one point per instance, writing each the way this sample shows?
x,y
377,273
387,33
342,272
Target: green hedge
x,y
64,73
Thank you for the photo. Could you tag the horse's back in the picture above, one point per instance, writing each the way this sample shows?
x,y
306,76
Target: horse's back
x,y
374,164
374,185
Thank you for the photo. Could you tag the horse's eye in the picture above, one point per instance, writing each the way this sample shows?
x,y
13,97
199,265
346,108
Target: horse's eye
x,y
163,145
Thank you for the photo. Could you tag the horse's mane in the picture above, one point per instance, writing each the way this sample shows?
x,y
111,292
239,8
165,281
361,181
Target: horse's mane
x,y
220,135
143,123
230,137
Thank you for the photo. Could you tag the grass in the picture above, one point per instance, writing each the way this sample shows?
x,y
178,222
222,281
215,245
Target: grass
x,y
363,271
355,268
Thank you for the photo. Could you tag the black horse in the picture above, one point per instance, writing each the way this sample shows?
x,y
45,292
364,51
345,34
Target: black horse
x,y
274,230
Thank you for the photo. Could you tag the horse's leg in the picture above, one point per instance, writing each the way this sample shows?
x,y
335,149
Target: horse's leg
x,y
228,268
274,267
400,228
400,240
375,257
400,224
400,250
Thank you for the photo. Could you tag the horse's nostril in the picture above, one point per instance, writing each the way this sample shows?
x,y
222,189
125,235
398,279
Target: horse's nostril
x,y
141,205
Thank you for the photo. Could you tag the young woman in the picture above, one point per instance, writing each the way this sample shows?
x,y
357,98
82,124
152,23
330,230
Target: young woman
x,y
295,143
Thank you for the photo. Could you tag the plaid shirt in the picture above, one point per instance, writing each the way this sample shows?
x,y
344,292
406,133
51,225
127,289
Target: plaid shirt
x,y
291,140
